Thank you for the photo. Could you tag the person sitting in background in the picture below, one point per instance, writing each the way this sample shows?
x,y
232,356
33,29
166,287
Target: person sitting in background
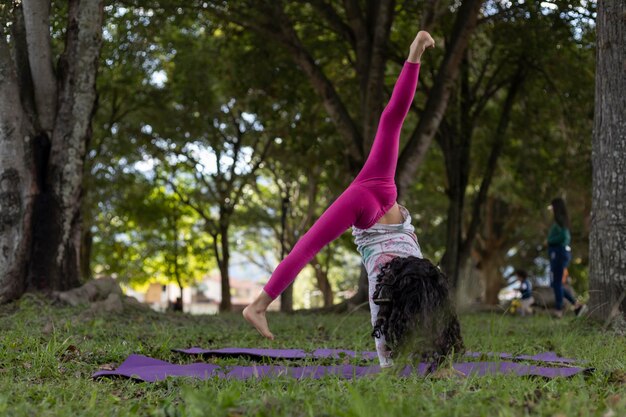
x,y
526,291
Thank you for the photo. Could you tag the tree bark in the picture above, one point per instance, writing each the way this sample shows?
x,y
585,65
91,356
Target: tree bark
x,y
493,278
85,255
37,24
372,65
46,124
362,293
456,145
286,298
56,222
224,263
321,274
491,248
17,182
607,241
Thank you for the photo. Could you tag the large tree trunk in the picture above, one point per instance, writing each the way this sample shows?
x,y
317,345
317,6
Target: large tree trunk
x,y
57,223
456,146
607,242
224,263
492,276
362,294
457,182
85,254
17,182
321,274
493,246
286,299
46,125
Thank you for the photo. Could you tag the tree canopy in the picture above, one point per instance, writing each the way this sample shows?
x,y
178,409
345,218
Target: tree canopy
x,y
226,127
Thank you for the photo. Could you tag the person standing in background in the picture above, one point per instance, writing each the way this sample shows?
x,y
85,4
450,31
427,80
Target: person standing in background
x,y
559,252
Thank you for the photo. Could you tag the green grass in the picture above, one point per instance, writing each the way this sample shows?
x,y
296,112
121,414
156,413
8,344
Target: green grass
x,y
48,353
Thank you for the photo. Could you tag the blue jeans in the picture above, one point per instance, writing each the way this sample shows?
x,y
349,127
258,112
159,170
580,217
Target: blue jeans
x,y
559,259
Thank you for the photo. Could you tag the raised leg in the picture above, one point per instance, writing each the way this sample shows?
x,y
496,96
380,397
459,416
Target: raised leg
x,y
383,157
354,203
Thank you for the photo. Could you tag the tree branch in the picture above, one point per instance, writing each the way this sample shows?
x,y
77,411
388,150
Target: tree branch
x,y
187,201
414,152
359,28
312,198
11,112
76,102
286,36
37,23
382,17
432,12
246,178
22,67
483,70
335,21
496,150
263,264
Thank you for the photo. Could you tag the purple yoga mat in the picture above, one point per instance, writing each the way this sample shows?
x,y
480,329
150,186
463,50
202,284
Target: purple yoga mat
x,y
539,357
147,369
337,353
277,353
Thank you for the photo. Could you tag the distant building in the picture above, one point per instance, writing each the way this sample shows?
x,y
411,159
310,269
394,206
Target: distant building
x,y
204,297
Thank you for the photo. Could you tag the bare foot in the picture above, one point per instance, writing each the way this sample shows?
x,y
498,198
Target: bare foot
x,y
256,317
422,41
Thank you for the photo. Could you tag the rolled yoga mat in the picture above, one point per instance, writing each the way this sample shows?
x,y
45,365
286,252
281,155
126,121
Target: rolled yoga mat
x,y
143,368
549,357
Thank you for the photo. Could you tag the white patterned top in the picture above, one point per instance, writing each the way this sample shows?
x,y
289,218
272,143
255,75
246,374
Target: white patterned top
x,y
378,245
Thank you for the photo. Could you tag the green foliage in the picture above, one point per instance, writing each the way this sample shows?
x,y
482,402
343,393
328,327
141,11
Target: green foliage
x,y
178,81
150,235
547,150
47,373
549,153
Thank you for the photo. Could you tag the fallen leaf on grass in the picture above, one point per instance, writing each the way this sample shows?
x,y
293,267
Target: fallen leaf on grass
x,y
613,400
72,352
609,413
532,399
617,377
107,367
48,328
28,365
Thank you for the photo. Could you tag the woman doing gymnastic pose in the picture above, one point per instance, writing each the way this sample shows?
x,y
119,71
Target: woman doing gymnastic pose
x,y
408,295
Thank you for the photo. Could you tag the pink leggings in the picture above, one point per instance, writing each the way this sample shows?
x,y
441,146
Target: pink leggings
x,y
371,194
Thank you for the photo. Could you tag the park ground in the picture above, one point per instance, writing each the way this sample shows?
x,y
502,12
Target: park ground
x,y
48,353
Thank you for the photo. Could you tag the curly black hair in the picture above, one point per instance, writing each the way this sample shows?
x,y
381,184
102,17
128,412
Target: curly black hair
x,y
416,314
